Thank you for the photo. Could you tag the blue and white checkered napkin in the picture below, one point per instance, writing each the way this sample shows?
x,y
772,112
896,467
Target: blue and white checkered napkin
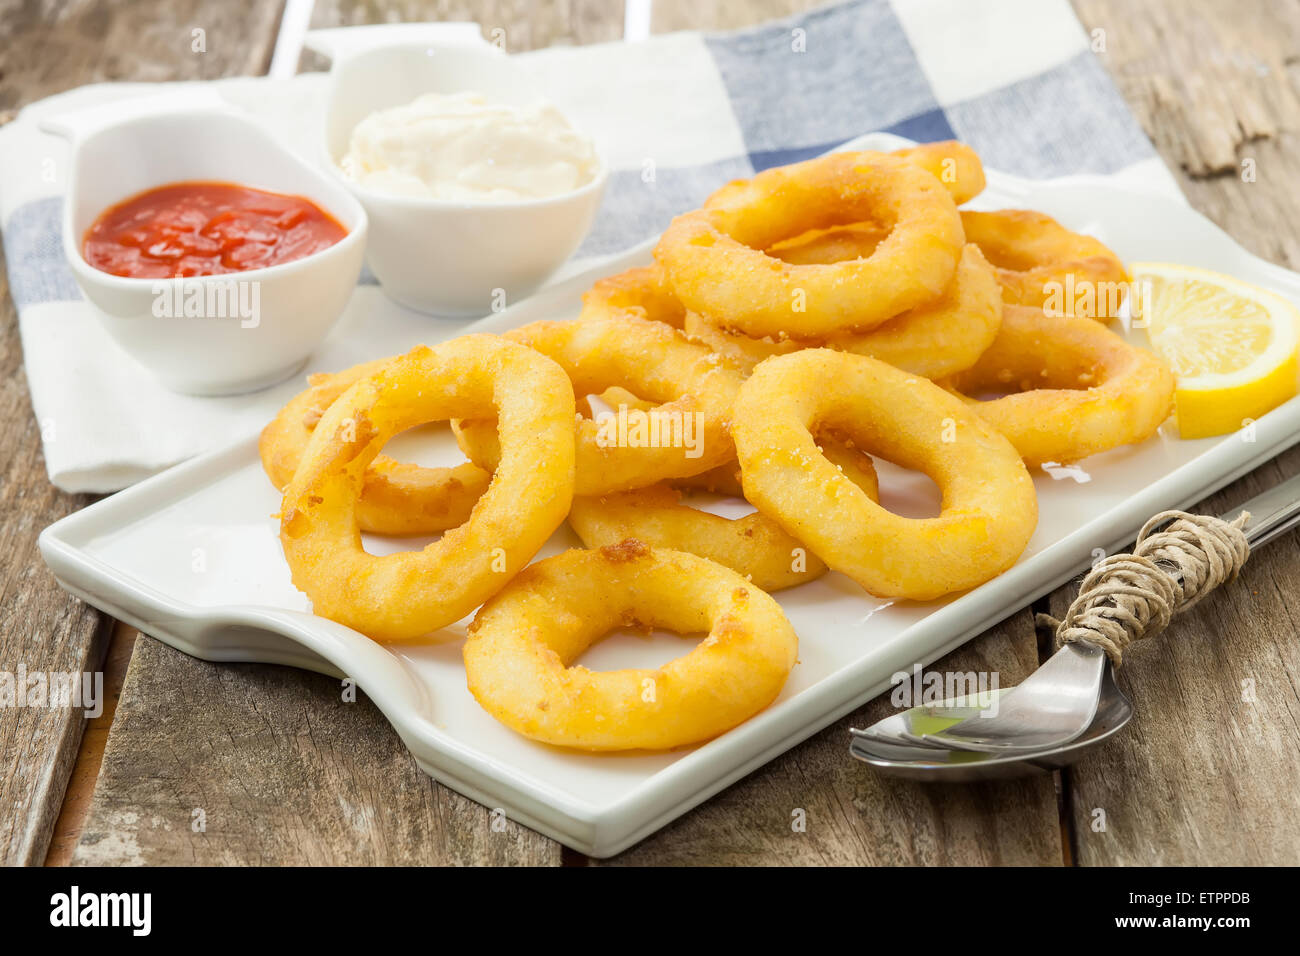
x,y
677,115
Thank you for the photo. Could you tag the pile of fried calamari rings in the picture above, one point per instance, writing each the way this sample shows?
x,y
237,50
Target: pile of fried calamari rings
x,y
796,327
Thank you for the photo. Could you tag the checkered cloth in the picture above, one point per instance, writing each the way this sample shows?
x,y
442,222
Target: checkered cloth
x,y
676,115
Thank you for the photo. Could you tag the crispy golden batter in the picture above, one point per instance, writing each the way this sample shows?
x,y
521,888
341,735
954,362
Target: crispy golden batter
x,y
713,257
1076,387
641,291
786,333
989,506
754,546
1039,262
954,164
522,645
403,596
937,339
685,434
397,498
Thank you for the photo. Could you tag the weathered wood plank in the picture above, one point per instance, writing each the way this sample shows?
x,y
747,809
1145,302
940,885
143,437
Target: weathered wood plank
x,y
853,816
1205,772
1161,53
251,764
45,48
517,24
49,47
1208,79
90,754
1204,775
669,15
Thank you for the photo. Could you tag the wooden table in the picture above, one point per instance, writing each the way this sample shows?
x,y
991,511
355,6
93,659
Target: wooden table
x,y
277,769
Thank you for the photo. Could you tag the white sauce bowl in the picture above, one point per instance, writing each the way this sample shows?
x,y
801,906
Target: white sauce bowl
x,y
439,256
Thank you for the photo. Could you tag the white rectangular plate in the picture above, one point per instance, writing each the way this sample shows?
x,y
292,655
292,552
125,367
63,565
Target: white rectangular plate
x,y
192,557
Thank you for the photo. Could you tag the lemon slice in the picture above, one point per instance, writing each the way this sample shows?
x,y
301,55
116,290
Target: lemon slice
x,y
1232,346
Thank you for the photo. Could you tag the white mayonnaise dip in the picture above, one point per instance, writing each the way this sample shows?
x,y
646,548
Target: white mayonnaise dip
x,y
462,147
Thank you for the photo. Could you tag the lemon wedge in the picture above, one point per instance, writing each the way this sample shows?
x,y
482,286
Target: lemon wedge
x,y
1232,346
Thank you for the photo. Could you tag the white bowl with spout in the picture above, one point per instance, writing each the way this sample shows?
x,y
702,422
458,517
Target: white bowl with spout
x,y
257,327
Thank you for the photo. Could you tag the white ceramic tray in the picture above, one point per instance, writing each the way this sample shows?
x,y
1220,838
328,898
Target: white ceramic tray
x,y
192,558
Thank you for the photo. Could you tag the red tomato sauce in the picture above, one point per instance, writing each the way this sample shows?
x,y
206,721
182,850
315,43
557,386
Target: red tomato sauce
x,y
206,228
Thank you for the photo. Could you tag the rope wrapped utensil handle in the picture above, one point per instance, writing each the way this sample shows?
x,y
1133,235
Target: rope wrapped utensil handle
x,y
1178,559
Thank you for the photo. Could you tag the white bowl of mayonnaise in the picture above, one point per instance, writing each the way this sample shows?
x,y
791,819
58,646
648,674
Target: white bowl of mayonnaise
x,y
476,188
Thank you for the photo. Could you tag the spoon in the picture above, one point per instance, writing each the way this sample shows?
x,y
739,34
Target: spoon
x,y
1053,706
1068,705
897,758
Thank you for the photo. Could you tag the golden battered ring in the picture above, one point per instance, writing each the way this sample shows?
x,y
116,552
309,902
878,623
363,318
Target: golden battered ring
x,y
1077,387
397,498
1041,263
713,259
523,642
754,546
693,388
954,164
642,291
957,167
402,596
723,479
989,507
935,340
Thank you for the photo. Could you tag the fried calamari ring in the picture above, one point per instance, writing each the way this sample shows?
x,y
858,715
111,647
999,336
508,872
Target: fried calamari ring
x,y
402,596
685,434
713,260
935,340
989,508
397,498
1078,388
754,546
523,642
954,164
641,291
1041,263
725,479
722,480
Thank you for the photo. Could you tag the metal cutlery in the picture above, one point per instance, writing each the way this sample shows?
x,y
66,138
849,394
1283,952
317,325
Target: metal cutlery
x,y
1070,704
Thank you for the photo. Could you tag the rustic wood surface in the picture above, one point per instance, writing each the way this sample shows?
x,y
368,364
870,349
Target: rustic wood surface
x,y
1196,779
527,24
60,44
1205,770
90,756
669,15
853,817
254,764
45,48
285,772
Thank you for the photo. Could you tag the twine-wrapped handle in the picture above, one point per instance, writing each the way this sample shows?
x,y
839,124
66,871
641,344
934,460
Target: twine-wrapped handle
x,y
1127,597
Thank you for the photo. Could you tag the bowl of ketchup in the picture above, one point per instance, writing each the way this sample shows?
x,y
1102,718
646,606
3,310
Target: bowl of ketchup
x,y
216,258
195,229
